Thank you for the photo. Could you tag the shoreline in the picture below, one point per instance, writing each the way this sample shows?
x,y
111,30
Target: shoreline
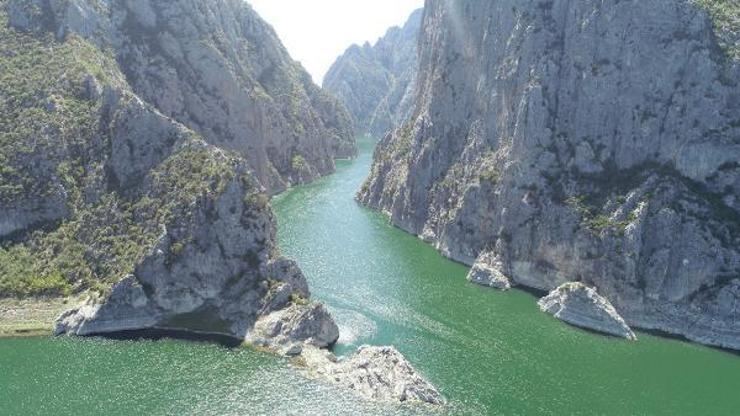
x,y
32,317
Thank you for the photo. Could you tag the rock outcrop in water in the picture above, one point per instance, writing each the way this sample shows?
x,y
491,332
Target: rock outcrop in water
x,y
486,271
377,373
302,331
581,306
376,82
287,330
580,141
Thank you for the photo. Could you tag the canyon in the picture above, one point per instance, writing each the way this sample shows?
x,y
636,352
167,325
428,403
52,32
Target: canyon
x,y
169,171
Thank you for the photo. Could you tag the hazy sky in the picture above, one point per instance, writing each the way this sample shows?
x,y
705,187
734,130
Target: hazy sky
x,y
316,32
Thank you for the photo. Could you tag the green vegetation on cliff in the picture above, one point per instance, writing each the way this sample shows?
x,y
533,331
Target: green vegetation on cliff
x,y
54,146
43,99
726,18
103,242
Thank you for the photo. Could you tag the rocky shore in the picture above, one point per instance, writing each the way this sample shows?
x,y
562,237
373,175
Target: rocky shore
x,y
31,317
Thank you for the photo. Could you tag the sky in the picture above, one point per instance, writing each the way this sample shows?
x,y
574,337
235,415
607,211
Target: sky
x,y
316,32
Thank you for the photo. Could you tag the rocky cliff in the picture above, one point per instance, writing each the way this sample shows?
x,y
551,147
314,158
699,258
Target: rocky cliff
x,y
589,141
104,190
376,82
220,70
137,139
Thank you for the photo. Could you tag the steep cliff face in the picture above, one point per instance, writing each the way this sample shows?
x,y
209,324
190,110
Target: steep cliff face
x,y
219,69
105,191
376,82
580,141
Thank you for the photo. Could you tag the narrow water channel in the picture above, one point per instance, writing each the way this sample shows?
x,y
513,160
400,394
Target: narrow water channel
x,y
488,352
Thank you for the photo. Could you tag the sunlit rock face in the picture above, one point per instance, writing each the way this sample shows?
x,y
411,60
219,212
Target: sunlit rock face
x,y
579,141
486,271
376,83
580,305
142,138
219,69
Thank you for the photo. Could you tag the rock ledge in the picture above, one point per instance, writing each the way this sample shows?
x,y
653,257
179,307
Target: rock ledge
x,y
287,330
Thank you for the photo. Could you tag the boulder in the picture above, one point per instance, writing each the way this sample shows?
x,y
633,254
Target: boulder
x,y
486,272
580,305
310,324
377,373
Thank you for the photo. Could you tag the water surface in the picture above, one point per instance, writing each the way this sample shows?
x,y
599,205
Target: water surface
x,y
488,352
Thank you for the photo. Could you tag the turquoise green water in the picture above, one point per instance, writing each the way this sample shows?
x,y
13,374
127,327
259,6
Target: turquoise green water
x,y
488,352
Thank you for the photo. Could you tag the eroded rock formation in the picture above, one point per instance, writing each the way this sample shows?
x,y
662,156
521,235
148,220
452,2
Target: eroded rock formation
x,y
378,373
486,271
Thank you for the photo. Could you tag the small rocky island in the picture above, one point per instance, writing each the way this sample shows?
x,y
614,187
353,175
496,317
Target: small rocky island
x,y
379,373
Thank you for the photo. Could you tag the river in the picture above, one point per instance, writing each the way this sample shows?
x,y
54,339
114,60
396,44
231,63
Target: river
x,y
488,352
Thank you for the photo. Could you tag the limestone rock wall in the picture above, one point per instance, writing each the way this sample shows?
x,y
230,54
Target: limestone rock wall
x,y
376,82
592,141
219,69
138,140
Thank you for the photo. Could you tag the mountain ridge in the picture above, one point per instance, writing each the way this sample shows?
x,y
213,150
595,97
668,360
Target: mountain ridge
x,y
375,82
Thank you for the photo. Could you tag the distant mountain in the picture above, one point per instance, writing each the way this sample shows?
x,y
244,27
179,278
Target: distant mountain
x,y
376,82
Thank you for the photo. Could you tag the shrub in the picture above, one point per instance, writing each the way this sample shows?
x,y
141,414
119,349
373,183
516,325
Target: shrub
x,y
298,163
490,175
298,299
725,16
